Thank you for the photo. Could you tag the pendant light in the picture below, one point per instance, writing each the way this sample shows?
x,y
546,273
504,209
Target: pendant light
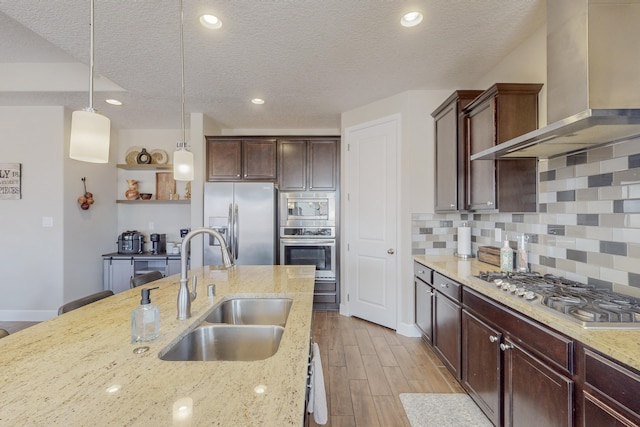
x,y
90,130
182,158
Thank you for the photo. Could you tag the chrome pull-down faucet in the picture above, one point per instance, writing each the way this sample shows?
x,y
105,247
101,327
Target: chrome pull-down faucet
x,y
184,295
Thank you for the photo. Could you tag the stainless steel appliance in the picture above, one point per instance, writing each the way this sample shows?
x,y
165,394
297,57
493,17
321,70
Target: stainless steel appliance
x,y
587,305
310,246
245,215
158,243
307,209
131,242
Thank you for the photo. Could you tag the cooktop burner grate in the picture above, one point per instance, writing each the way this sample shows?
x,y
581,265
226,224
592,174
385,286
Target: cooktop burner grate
x,y
590,306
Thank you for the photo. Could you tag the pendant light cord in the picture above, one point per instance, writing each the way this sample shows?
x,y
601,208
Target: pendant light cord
x,y
184,139
91,63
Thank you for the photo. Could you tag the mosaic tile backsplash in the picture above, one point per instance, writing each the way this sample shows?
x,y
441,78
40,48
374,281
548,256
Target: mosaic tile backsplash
x,y
587,227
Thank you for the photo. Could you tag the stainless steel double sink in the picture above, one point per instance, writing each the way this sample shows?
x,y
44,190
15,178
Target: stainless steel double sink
x,y
239,329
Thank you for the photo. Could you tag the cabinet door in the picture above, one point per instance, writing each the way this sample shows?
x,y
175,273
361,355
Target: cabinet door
x,y
120,274
173,266
224,160
446,131
424,309
446,332
323,162
259,160
481,126
481,365
534,395
292,165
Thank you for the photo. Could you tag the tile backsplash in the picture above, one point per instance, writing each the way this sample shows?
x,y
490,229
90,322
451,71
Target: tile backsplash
x,y
587,227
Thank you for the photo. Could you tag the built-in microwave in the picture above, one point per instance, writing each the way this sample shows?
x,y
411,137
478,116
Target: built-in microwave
x,y
307,209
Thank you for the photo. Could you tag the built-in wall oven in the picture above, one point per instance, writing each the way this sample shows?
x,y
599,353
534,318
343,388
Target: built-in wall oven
x,y
310,246
307,231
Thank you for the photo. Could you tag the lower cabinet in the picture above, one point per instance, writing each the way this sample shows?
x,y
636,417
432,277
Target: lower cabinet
x,y
118,269
517,371
608,393
447,322
423,287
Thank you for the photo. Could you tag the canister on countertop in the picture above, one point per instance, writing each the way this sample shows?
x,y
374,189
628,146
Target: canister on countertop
x,y
506,257
523,258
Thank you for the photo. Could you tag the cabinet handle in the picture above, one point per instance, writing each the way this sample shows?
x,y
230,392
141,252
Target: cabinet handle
x,y
489,203
420,271
493,338
452,205
505,347
444,285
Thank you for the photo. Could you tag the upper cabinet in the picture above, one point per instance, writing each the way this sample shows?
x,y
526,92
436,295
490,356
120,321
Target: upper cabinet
x,y
451,152
241,159
502,112
308,165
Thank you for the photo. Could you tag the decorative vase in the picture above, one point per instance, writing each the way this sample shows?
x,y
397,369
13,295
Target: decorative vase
x,y
144,158
132,193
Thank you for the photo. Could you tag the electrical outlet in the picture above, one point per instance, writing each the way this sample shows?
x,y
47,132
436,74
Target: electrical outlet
x,y
498,234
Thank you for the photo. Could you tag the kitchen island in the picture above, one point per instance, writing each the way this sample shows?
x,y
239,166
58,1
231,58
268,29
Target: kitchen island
x,y
81,369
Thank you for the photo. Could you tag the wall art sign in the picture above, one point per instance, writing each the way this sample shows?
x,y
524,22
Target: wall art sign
x,y
10,181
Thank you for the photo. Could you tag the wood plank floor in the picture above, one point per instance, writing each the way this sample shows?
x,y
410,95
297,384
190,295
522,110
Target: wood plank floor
x,y
367,366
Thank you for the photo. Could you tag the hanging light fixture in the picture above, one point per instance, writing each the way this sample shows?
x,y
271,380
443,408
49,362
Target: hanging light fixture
x,y
90,130
182,158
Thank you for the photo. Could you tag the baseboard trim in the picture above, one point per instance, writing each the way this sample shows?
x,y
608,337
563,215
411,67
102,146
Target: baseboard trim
x,y
27,315
408,330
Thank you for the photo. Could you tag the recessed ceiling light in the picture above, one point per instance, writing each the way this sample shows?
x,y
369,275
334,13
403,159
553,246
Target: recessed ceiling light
x,y
211,21
258,101
411,19
113,101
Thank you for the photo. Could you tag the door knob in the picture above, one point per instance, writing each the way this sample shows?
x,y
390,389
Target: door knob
x,y
391,251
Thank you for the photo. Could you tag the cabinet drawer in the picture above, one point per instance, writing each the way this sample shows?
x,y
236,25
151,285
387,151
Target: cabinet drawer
x,y
545,343
325,298
613,380
326,287
423,273
446,286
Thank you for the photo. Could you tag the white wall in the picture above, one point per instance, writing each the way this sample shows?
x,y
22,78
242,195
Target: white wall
x,y
42,267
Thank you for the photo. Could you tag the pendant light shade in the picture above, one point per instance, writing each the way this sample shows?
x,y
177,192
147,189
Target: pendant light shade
x,y
183,165
182,159
90,131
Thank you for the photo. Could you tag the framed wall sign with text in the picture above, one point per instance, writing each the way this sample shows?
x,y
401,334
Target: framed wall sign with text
x,y
10,176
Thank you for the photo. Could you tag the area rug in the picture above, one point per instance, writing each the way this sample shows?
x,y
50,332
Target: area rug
x,y
442,410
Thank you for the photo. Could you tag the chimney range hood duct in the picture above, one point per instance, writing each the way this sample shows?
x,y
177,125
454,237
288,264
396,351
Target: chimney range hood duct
x,y
593,80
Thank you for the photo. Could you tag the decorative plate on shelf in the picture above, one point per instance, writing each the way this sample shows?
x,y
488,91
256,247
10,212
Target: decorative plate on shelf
x,y
131,155
159,157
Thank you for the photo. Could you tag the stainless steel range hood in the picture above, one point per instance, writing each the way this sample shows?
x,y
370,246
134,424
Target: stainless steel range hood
x,y
593,80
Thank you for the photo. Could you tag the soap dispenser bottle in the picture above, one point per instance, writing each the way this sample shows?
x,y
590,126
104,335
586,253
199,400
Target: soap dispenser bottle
x,y
506,257
145,319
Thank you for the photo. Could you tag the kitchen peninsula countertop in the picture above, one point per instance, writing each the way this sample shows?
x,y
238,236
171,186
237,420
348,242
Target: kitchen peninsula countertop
x,y
80,368
620,344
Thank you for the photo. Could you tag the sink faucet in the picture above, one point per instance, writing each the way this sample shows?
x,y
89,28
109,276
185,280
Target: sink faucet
x,y
184,295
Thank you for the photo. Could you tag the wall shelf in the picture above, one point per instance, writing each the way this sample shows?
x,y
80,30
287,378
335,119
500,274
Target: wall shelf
x,y
150,167
154,202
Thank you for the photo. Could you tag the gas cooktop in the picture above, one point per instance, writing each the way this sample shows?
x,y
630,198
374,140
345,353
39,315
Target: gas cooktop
x,y
585,304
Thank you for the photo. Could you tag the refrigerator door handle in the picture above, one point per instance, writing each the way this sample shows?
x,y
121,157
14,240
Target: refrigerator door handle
x,y
230,229
236,232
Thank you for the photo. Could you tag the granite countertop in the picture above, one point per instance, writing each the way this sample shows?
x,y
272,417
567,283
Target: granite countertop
x,y
80,368
621,344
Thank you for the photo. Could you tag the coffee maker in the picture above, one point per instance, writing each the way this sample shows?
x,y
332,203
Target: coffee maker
x,y
158,243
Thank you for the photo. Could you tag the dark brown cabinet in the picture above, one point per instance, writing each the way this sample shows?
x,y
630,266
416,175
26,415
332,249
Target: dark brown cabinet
x,y
450,145
447,322
424,300
608,394
241,159
308,165
502,112
519,373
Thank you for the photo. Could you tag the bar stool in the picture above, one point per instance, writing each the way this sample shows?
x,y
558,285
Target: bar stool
x,y
145,278
72,305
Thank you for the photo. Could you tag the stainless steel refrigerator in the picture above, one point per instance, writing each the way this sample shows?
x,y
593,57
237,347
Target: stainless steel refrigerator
x,y
245,215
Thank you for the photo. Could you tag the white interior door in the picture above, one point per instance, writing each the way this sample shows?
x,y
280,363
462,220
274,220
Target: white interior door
x,y
371,221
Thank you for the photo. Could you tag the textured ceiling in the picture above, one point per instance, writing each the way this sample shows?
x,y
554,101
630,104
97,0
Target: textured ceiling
x,y
309,59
